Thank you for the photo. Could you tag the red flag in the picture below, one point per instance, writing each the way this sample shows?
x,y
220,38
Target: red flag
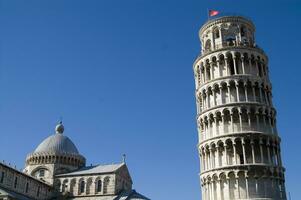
x,y
213,13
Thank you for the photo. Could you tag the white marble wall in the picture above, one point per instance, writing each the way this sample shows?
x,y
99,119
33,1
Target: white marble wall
x,y
23,184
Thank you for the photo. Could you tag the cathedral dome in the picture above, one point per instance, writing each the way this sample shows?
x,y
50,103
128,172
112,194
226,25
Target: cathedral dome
x,y
57,143
57,148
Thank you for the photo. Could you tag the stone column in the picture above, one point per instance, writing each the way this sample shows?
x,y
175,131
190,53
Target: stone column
x,y
221,38
212,190
270,123
266,97
217,157
208,99
273,187
237,92
264,178
203,191
236,188
209,190
214,96
254,93
247,184
279,155
201,160
264,122
229,92
235,65
246,92
205,130
219,68
226,154
256,65
223,121
234,151
257,121
244,151
199,69
204,161
205,157
253,153
227,66
268,151
212,70
243,65
203,100
232,124
240,120
218,188
208,160
275,161
216,126
228,186
262,70
205,73
260,93
261,150
212,157
213,40
221,94
249,120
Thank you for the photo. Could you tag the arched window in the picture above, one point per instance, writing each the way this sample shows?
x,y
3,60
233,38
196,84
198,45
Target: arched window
x,y
216,33
65,185
230,35
99,186
42,173
231,66
242,31
82,187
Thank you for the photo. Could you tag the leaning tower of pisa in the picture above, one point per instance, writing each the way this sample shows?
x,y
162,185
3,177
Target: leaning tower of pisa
x,y
239,146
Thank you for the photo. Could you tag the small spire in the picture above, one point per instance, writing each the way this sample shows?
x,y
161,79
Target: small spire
x,y
60,128
123,158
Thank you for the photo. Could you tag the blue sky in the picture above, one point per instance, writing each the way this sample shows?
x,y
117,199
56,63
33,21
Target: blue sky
x,y
120,74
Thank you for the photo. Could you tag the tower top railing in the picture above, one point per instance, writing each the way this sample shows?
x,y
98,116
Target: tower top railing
x,y
226,16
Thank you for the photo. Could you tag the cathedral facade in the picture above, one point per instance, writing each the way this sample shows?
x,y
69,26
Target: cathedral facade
x,y
239,145
56,170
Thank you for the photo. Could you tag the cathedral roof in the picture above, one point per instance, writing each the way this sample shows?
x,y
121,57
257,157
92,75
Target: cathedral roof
x,y
57,143
98,169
